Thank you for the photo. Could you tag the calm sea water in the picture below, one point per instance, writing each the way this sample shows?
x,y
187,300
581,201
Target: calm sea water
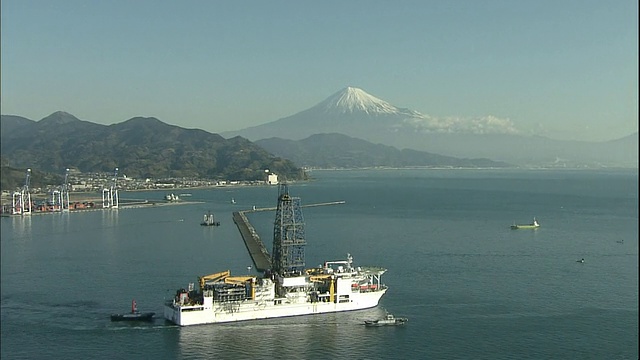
x,y
471,287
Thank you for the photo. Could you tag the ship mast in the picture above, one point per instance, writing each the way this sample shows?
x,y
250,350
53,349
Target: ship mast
x,y
288,256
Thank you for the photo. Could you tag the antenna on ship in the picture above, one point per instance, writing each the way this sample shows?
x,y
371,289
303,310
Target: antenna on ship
x,y
21,200
288,234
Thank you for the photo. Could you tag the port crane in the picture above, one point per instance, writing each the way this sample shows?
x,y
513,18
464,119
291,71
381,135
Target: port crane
x,y
110,196
60,197
21,200
64,192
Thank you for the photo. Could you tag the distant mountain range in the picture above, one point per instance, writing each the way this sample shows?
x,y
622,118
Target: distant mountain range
x,y
355,113
139,147
350,129
147,147
342,151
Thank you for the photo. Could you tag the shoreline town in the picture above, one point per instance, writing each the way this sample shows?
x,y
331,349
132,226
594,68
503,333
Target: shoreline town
x,y
102,191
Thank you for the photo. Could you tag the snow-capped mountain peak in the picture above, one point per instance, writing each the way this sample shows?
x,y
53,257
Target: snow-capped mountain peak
x,y
352,99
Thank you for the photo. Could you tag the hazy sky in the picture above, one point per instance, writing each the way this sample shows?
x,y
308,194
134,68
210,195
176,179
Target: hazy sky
x,y
560,68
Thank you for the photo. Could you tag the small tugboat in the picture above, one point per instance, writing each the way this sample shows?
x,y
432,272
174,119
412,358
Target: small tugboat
x,y
135,315
388,320
533,225
209,220
172,197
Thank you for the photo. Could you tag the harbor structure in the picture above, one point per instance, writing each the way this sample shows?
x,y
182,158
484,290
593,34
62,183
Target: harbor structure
x,y
64,192
110,196
21,200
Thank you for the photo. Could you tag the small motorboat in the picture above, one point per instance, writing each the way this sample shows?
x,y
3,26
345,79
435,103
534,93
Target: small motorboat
x,y
134,315
388,320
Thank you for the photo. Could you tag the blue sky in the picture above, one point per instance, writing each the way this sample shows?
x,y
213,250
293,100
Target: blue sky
x,y
563,69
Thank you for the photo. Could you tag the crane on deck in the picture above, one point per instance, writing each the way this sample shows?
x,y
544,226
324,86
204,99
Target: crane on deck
x,y
288,255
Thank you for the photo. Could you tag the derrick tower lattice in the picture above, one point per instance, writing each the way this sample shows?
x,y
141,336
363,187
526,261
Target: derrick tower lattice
x,y
288,234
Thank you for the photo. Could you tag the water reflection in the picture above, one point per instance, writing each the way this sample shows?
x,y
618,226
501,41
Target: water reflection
x,y
60,222
327,335
21,226
110,218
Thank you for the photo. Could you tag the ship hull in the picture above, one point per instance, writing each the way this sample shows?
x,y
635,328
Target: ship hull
x,y
133,317
517,227
252,310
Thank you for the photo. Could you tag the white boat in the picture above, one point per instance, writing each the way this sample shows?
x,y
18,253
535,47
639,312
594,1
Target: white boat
x,y
335,286
209,220
172,197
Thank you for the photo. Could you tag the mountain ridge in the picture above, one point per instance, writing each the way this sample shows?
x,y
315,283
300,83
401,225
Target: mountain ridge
x,y
355,113
341,151
140,147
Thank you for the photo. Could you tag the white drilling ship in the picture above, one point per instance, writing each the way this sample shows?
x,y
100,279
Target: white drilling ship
x,y
287,287
337,286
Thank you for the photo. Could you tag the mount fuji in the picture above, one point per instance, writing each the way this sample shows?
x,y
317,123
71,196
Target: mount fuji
x,y
350,111
355,113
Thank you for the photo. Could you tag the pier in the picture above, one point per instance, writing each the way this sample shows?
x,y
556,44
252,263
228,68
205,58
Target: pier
x,y
304,206
255,246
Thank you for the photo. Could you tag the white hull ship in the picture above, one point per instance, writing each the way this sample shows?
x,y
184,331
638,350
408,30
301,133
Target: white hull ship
x,y
336,286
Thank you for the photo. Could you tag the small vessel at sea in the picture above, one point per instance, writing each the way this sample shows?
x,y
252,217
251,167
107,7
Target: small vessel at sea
x,y
172,197
533,225
388,320
209,220
134,315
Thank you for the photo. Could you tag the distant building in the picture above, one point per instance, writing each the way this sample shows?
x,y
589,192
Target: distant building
x,y
272,179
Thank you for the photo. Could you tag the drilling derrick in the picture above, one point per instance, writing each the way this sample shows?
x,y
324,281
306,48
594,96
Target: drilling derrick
x,y
288,234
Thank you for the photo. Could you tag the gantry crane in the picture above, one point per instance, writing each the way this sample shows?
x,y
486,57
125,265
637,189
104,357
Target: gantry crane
x,y
64,192
110,196
21,200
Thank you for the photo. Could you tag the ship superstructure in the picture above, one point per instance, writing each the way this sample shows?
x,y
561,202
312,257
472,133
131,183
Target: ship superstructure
x,y
287,289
